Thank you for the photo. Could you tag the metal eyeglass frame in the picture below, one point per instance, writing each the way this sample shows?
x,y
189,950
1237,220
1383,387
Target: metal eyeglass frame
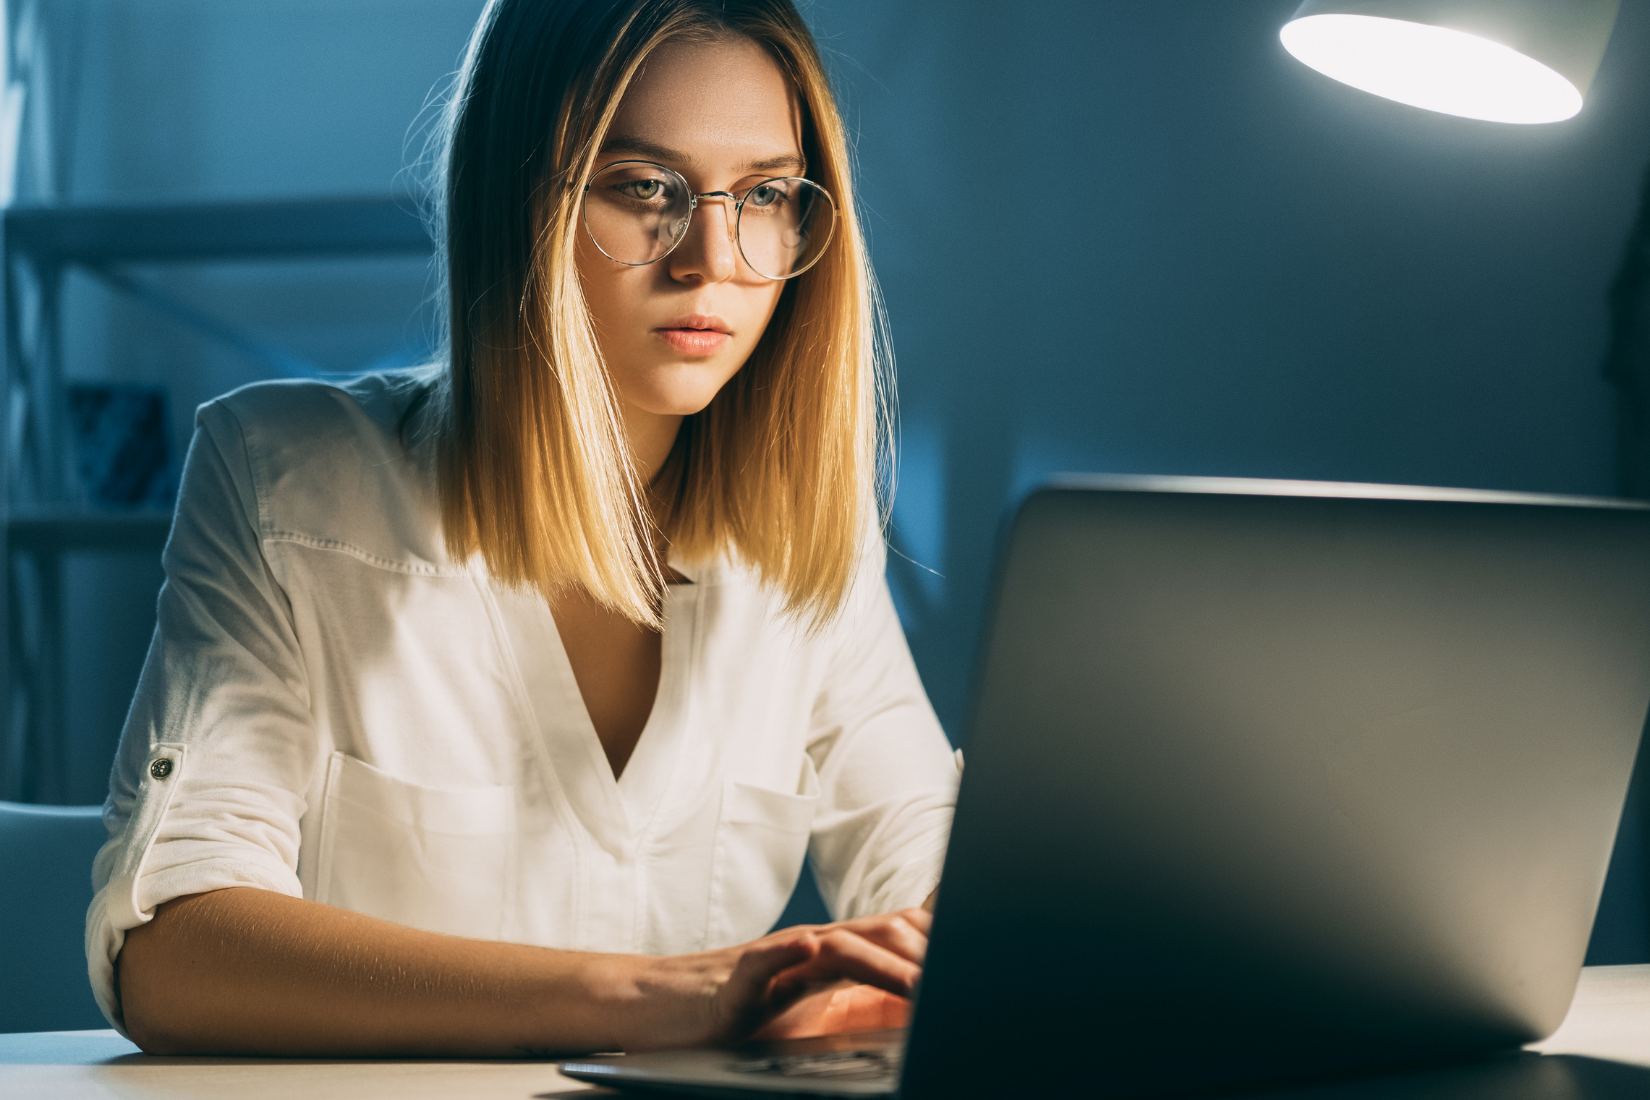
x,y
693,204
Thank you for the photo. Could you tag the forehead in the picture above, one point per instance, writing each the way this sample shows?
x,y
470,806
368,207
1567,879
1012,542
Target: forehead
x,y
723,103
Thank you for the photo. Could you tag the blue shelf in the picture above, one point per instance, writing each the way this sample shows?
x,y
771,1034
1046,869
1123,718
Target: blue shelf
x,y
349,226
64,528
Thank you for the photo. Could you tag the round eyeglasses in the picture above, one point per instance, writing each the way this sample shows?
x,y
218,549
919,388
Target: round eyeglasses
x,y
637,212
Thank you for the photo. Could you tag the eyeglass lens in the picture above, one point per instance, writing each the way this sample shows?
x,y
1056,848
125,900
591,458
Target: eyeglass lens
x,y
637,212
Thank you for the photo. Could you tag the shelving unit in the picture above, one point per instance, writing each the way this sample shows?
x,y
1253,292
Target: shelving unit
x,y
39,519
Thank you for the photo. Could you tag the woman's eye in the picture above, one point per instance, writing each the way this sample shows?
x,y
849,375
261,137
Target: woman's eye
x,y
764,196
645,190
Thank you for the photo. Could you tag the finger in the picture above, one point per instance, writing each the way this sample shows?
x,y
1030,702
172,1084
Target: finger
x,y
905,933
804,1017
898,933
844,954
919,919
901,933
747,989
764,960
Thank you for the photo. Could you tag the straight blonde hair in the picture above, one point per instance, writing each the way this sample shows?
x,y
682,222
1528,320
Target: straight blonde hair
x,y
780,471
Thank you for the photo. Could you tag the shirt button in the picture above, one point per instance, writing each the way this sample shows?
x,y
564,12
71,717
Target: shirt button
x,y
161,768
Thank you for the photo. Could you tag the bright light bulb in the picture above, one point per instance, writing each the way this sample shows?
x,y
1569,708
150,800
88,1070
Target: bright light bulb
x,y
1432,67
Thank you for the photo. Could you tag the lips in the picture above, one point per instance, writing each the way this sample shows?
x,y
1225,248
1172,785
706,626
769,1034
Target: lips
x,y
695,334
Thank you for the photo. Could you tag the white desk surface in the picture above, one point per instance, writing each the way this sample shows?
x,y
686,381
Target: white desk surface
x,y
100,1065
1610,1021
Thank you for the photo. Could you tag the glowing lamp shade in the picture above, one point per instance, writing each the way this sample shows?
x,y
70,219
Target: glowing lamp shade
x,y
1523,61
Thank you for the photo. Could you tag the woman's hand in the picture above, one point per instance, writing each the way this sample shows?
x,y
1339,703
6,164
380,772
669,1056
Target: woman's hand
x,y
821,979
837,1010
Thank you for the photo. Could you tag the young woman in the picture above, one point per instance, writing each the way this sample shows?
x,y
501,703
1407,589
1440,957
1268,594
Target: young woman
x,y
495,710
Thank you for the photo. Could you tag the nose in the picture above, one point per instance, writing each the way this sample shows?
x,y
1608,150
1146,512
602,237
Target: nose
x,y
709,253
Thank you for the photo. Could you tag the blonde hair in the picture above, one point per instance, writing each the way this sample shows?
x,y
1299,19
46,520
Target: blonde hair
x,y
781,470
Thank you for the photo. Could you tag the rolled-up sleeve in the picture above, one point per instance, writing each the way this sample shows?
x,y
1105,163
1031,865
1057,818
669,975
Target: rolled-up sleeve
x,y
206,791
888,777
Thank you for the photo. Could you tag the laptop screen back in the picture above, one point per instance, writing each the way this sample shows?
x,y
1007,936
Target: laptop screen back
x,y
1275,780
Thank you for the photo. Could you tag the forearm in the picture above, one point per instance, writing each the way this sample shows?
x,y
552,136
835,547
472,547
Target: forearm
x,y
250,971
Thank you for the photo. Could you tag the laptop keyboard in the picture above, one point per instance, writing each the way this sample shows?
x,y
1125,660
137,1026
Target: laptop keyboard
x,y
836,1065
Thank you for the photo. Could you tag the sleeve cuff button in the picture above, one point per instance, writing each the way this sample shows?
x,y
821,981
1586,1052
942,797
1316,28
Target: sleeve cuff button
x,y
161,768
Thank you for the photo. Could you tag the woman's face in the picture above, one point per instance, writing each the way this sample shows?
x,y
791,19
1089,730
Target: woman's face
x,y
673,332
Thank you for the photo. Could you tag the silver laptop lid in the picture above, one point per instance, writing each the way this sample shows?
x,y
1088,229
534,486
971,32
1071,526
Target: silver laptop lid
x,y
1269,780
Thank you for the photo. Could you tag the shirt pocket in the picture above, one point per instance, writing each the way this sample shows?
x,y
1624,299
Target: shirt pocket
x,y
761,841
440,860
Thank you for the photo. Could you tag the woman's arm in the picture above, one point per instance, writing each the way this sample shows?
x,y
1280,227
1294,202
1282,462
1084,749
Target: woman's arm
x,y
887,775
249,971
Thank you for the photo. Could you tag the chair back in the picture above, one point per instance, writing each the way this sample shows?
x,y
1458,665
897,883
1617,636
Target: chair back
x,y
46,863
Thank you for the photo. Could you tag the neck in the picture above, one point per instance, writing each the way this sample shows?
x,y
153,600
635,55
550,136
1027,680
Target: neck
x,y
651,436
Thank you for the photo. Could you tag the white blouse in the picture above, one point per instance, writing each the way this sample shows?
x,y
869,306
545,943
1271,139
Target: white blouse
x,y
333,709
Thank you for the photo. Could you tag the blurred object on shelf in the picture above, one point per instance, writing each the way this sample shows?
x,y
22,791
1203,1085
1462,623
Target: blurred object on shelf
x,y
121,439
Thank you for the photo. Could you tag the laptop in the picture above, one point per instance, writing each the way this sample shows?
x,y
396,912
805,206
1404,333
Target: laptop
x,y
1267,781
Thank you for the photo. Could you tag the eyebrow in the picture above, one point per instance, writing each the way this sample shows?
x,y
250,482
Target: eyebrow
x,y
664,153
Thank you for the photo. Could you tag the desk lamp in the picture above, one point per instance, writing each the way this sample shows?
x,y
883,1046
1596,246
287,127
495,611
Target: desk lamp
x,y
1497,60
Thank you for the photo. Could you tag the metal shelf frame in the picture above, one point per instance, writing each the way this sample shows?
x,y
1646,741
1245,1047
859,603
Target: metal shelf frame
x,y
39,519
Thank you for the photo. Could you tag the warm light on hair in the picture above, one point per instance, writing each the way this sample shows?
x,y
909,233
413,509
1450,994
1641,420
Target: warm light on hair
x,y
779,471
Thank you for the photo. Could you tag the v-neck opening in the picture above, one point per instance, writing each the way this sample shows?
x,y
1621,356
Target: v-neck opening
x,y
640,788
618,811
648,773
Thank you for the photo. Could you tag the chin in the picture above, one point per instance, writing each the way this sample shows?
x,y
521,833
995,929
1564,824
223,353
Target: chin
x,y
680,406
685,390
672,401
